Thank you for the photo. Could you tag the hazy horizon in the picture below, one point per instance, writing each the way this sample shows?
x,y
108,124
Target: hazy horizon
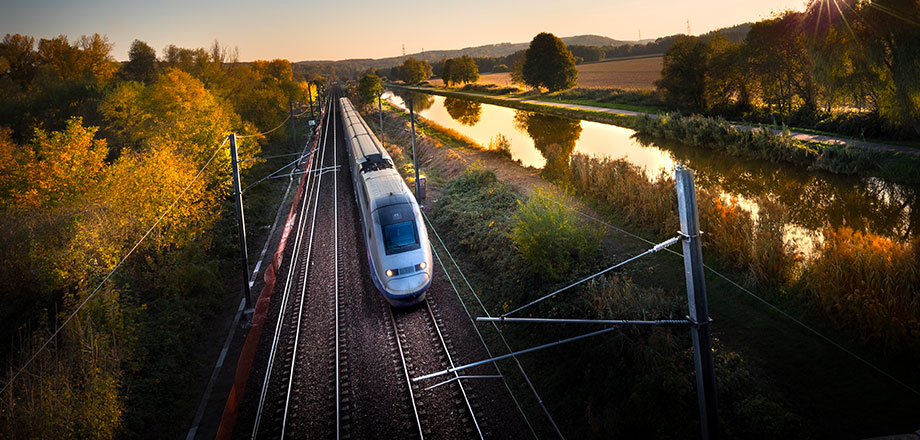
x,y
283,29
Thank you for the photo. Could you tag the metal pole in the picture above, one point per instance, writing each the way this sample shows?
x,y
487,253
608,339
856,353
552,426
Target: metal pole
x,y
699,307
414,156
238,196
380,109
293,127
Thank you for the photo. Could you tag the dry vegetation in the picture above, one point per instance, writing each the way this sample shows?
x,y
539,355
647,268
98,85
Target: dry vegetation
x,y
628,74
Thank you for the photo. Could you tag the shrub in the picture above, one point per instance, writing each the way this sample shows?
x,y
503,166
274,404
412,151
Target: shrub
x,y
500,145
551,238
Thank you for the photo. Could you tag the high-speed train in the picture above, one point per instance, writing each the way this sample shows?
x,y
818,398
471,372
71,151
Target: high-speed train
x,y
394,230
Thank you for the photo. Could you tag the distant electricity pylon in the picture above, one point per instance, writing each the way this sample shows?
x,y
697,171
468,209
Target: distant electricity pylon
x,y
688,26
404,49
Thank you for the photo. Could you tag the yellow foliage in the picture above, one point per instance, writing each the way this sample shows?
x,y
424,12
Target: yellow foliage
x,y
52,168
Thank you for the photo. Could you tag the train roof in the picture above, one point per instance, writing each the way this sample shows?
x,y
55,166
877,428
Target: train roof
x,y
365,146
385,188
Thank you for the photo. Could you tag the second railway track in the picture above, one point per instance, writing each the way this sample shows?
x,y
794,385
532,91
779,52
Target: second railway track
x,y
336,360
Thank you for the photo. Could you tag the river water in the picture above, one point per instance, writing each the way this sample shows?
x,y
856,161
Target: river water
x,y
813,199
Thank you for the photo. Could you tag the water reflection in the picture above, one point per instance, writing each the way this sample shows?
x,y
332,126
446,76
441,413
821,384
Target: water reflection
x,y
463,111
420,101
813,200
553,136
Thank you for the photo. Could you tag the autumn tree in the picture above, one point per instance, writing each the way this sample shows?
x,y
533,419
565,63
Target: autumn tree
x,y
683,74
549,64
142,62
414,71
17,55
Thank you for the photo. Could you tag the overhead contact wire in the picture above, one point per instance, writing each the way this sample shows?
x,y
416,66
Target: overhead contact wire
x,y
118,265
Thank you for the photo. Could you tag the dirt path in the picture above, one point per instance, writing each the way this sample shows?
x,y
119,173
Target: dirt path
x,y
802,136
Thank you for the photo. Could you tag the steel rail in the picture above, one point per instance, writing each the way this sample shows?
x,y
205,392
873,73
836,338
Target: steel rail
x,y
298,244
303,288
335,190
450,360
402,357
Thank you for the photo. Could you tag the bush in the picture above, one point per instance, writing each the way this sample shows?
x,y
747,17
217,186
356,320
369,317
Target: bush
x,y
501,145
551,238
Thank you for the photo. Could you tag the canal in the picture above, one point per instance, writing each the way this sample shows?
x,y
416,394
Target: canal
x,y
813,199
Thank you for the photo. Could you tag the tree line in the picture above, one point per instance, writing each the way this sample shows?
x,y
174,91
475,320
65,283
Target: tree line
x,y
92,153
852,70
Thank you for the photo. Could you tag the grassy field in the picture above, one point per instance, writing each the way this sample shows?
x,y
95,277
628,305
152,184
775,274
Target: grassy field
x,y
628,74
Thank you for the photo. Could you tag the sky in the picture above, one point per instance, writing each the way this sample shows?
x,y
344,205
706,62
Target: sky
x,y
343,29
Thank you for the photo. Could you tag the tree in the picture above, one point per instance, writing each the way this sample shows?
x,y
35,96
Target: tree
x,y
548,63
447,72
414,71
142,62
726,75
781,63
683,75
890,33
369,88
465,70
19,57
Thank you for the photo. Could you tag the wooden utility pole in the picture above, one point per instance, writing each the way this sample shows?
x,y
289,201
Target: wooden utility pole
x,y
699,308
241,222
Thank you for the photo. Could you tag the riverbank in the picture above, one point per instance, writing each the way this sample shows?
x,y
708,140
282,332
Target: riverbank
x,y
805,369
808,150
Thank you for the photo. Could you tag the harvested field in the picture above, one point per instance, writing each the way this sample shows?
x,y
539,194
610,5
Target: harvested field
x,y
626,74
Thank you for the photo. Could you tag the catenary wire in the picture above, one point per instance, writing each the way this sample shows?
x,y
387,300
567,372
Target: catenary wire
x,y
498,330
758,298
653,249
112,272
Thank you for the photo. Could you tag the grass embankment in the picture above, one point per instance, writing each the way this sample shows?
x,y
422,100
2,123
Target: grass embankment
x,y
830,291
633,383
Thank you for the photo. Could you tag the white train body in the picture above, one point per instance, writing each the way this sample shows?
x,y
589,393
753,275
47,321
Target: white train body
x,y
394,229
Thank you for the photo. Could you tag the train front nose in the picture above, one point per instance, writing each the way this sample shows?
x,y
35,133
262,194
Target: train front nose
x,y
408,286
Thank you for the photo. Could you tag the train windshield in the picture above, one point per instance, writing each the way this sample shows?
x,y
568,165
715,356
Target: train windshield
x,y
400,237
399,231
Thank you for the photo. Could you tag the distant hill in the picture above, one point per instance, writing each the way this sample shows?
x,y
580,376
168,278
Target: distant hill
x,y
612,49
489,50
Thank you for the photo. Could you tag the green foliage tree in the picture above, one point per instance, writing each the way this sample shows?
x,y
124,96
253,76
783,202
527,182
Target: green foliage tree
x,y
142,62
889,37
414,71
549,64
727,76
369,88
782,63
683,74
460,70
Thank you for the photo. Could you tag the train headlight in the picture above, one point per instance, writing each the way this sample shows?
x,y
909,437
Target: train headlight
x,y
423,265
389,272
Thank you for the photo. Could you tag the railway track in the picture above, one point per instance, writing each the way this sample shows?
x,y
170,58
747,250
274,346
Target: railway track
x,y
339,361
441,410
303,319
